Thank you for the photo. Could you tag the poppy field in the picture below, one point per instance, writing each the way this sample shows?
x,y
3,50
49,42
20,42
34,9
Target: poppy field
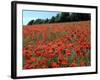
x,y
57,45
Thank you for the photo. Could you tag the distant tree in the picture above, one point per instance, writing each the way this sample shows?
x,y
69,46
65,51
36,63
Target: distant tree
x,y
38,21
74,17
80,16
85,16
31,22
57,18
62,17
52,20
46,21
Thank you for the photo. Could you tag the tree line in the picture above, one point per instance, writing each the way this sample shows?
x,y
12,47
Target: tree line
x,y
62,17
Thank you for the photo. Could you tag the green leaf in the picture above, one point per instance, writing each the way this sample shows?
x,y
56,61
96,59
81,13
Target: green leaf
x,y
70,59
55,59
49,62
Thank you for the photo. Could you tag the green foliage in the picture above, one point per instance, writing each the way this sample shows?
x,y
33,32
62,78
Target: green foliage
x,y
38,21
57,18
46,21
55,59
52,20
31,22
62,17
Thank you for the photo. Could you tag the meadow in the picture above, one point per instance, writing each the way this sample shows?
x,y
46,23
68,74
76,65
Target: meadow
x,y
57,45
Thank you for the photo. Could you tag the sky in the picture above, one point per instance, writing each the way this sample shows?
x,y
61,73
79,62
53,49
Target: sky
x,y
30,15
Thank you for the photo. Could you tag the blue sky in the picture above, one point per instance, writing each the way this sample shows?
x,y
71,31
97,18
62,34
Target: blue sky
x,y
30,15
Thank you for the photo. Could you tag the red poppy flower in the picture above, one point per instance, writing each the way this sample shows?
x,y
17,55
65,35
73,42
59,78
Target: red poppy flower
x,y
68,53
33,59
54,65
73,65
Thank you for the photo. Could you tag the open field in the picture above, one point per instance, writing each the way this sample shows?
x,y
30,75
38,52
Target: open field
x,y
57,45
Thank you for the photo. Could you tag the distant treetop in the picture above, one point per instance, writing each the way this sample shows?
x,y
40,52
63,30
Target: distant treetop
x,y
62,17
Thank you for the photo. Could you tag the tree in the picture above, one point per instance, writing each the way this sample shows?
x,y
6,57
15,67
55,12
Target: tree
x,y
52,20
31,22
80,16
57,18
64,17
38,21
46,21
86,16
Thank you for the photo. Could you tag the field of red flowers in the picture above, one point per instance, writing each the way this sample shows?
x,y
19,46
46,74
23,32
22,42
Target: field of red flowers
x,y
57,45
